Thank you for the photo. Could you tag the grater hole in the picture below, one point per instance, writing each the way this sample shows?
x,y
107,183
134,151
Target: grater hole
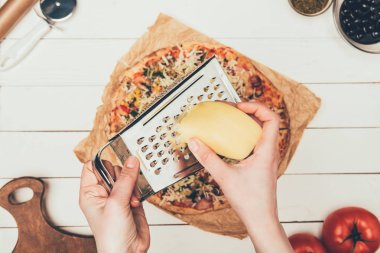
x,y
162,136
216,87
176,117
220,94
225,99
174,134
209,96
189,99
160,153
165,161
158,129
212,80
175,158
152,138
166,119
140,140
148,156
154,163
156,145
157,171
183,108
170,127
144,148
167,144
200,97
205,89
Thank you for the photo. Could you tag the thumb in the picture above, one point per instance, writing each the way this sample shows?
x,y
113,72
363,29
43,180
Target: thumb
x,y
207,157
125,183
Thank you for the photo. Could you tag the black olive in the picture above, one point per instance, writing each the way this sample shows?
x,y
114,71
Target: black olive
x,y
216,191
371,28
344,12
259,93
373,17
255,81
376,34
359,36
364,21
351,33
345,21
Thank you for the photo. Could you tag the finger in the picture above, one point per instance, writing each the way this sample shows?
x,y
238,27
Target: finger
x,y
142,227
135,202
124,185
269,119
261,112
135,199
207,157
88,177
117,170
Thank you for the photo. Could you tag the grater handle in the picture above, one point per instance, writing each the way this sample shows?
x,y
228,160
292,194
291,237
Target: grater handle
x,y
101,171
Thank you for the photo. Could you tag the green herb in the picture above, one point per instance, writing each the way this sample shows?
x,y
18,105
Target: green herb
x,y
134,113
146,72
203,56
158,73
148,87
192,195
309,6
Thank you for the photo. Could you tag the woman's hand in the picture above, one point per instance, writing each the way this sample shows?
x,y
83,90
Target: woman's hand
x,y
250,186
116,219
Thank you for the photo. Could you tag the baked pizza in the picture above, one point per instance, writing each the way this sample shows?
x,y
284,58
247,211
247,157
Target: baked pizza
x,y
141,84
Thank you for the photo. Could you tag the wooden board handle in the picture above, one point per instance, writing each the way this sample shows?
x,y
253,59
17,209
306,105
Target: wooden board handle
x,y
6,191
35,233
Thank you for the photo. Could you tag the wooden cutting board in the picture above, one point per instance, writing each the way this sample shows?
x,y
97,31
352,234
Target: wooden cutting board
x,y
35,231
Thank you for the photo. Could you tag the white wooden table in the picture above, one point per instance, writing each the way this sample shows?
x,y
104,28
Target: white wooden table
x,y
48,103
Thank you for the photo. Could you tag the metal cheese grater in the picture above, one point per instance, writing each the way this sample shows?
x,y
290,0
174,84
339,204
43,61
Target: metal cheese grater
x,y
151,136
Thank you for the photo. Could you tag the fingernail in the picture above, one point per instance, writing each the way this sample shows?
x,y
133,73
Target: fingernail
x,y
135,201
193,145
131,162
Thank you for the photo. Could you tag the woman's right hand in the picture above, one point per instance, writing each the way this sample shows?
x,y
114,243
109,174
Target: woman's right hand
x,y
250,185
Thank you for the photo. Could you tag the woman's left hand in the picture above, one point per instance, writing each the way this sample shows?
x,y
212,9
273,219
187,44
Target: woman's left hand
x,y
116,219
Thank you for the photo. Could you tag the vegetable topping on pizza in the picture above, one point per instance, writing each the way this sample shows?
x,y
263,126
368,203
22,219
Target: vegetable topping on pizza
x,y
142,83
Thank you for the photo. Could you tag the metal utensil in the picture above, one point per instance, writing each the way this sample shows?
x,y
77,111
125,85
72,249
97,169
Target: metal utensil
x,y
151,136
52,11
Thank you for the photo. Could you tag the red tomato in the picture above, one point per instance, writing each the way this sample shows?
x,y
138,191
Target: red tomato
x,y
351,230
306,243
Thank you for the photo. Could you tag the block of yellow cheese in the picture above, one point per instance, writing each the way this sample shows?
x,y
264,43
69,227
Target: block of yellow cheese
x,y
227,130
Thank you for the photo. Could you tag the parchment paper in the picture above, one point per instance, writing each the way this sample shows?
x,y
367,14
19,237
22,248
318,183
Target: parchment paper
x,y
302,105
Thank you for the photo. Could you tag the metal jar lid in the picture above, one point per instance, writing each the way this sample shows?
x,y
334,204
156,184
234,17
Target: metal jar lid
x,y
310,14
